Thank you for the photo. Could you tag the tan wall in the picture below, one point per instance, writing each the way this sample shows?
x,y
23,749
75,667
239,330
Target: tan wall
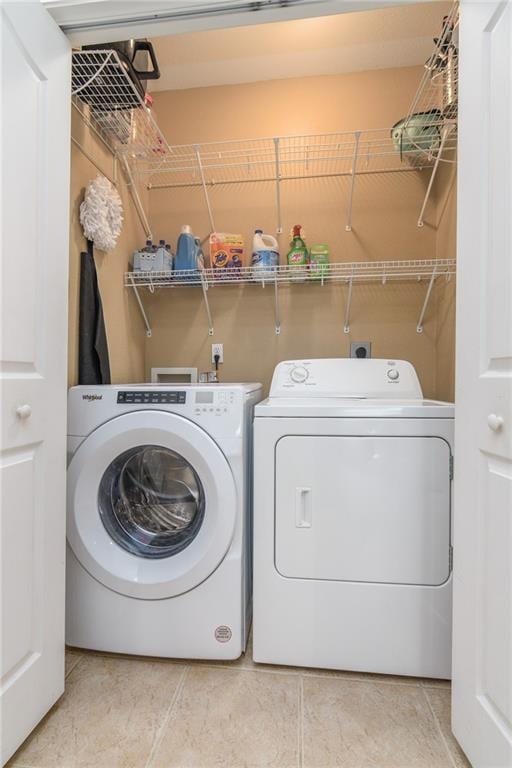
x,y
384,227
125,332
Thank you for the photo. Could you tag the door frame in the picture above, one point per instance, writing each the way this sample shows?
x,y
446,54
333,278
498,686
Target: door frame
x,y
101,21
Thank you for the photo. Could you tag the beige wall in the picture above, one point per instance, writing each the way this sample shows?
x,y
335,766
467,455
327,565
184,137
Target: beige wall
x,y
125,332
384,227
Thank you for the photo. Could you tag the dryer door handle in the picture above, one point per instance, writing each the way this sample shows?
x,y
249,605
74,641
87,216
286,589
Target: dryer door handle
x,y
303,507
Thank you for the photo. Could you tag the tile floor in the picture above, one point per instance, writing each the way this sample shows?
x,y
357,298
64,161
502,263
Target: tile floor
x,y
120,712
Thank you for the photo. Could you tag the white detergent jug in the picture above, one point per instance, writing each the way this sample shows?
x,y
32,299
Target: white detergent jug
x,y
265,254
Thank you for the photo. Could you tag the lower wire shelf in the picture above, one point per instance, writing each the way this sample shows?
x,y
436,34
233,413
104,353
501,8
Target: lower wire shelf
x,y
348,273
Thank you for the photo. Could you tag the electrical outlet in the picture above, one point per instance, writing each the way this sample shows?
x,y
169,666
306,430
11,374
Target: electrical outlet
x,y
218,349
361,349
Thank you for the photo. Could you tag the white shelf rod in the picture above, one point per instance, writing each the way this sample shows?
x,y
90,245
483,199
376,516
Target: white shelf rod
x,y
419,327
279,228
136,198
346,325
204,286
149,332
297,177
205,189
444,135
90,158
348,228
276,308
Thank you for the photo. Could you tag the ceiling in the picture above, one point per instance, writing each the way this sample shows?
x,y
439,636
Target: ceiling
x,y
351,42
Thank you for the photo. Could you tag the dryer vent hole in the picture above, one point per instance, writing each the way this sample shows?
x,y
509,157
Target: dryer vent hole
x,y
223,634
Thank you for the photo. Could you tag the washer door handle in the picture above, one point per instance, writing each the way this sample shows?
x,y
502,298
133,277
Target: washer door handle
x,y
303,507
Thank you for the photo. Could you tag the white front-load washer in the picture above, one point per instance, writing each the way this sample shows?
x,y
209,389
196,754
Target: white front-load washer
x,y
158,527
352,520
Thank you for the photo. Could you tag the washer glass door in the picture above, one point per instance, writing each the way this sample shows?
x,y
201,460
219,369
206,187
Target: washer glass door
x,y
151,501
152,504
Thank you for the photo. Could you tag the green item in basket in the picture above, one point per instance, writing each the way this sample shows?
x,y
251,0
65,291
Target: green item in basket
x,y
318,261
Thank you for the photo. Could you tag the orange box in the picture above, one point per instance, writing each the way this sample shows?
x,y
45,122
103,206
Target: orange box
x,y
227,254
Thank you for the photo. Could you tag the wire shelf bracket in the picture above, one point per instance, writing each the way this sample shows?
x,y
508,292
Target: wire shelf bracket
x,y
346,324
205,288
419,327
279,226
205,188
149,332
357,139
445,132
136,198
277,312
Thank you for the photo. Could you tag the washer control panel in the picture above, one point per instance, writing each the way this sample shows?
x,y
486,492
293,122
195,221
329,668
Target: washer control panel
x,y
156,397
214,403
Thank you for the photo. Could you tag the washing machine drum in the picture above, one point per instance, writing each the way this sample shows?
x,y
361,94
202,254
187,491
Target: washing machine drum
x,y
151,501
151,504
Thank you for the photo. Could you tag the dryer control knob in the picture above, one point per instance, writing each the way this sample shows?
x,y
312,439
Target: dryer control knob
x,y
299,375
393,374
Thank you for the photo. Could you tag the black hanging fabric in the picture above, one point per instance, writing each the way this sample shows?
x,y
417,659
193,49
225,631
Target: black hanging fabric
x,y
93,361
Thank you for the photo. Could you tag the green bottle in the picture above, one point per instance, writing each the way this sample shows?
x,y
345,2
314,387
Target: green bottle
x,y
297,256
318,261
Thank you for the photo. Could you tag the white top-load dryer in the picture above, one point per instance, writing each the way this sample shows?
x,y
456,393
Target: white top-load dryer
x,y
159,489
352,520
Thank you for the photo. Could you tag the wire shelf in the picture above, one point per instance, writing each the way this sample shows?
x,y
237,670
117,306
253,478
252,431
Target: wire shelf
x,y
347,273
281,158
436,98
367,271
109,102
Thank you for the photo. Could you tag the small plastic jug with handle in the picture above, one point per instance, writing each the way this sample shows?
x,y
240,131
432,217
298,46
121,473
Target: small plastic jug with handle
x,y
265,254
185,261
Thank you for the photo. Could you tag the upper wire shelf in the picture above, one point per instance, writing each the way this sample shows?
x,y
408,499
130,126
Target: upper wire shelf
x,y
108,100
283,158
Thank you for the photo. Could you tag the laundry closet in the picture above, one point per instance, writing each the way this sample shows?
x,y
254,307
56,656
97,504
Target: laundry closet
x,y
266,127
261,550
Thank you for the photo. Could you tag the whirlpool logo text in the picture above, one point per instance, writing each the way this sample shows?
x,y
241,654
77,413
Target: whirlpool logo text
x,y
91,398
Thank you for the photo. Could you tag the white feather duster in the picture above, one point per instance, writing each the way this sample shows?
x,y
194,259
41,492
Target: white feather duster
x,y
101,214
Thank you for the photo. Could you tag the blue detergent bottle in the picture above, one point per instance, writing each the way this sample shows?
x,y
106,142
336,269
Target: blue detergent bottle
x,y
186,254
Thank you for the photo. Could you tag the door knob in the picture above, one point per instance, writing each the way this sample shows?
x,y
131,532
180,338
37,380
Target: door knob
x,y
24,411
495,422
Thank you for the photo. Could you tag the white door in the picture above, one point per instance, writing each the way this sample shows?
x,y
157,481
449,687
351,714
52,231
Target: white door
x,y
35,211
482,656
